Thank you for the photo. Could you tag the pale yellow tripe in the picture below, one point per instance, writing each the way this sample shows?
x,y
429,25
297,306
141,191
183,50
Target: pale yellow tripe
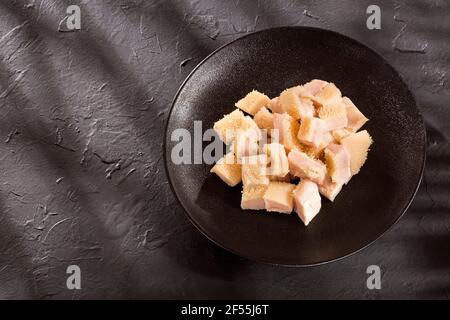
x,y
228,169
279,197
253,197
227,127
358,146
253,101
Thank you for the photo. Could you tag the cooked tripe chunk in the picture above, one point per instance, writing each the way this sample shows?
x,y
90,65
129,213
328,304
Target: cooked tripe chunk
x,y
312,88
330,189
275,105
228,169
252,102
303,166
227,127
279,197
264,119
311,131
253,197
287,128
334,115
307,200
355,117
278,162
327,95
357,146
246,143
294,105
254,170
337,159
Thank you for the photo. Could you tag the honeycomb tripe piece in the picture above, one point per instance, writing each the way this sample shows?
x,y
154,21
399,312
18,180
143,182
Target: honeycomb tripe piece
x,y
264,119
254,170
334,115
228,169
278,162
312,131
356,119
279,197
337,160
307,201
357,145
303,166
246,142
330,189
253,197
252,102
286,129
296,106
329,94
340,134
228,126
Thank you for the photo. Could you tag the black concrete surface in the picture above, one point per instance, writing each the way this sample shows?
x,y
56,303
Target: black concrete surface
x,y
82,176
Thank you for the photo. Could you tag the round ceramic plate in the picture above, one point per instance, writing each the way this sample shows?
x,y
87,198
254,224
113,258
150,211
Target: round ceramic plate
x,y
270,61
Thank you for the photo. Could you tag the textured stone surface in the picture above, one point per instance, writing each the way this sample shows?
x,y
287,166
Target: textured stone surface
x,y
82,177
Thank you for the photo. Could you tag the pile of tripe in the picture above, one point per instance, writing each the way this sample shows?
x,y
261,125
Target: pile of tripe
x,y
309,132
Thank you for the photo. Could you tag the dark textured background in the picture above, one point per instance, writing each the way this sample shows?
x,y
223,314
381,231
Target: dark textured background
x,y
82,176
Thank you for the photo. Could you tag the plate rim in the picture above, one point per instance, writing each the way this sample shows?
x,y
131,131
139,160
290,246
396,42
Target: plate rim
x,y
206,234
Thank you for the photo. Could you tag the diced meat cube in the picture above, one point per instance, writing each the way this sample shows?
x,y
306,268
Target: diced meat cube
x,y
294,105
286,128
311,131
340,134
306,109
355,117
253,197
313,87
357,145
334,115
278,162
330,189
307,201
252,102
329,94
338,163
254,170
228,170
246,143
264,119
303,166
228,126
279,197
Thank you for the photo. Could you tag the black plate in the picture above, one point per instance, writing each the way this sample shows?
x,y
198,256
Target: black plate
x,y
270,61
